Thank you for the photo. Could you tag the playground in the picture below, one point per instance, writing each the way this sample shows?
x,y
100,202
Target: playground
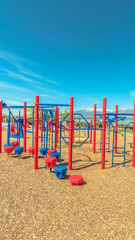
x,y
37,203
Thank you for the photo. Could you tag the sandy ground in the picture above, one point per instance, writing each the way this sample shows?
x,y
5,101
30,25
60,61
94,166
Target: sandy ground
x,y
37,205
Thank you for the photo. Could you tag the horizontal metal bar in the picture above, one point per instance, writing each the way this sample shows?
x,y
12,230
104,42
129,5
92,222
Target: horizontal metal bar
x,y
47,104
19,107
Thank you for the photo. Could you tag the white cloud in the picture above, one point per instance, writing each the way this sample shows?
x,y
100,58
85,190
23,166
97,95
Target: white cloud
x,y
10,86
21,77
98,110
29,73
92,109
23,66
16,103
15,60
47,96
51,81
25,99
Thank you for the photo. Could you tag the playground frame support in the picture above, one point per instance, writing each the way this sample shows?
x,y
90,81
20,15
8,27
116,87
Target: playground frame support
x,y
57,125
36,132
70,132
94,126
116,130
1,127
24,127
133,159
103,134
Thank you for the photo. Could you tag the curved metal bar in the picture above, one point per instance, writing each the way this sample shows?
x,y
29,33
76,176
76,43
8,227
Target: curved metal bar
x,y
74,145
128,124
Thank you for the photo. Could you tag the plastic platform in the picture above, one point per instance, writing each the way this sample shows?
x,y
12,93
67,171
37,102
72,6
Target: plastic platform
x,y
76,180
43,150
60,171
18,150
31,150
49,151
8,149
50,162
55,154
15,144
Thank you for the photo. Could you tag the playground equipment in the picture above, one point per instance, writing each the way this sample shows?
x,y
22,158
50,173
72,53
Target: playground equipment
x,y
110,118
60,171
50,162
47,130
76,180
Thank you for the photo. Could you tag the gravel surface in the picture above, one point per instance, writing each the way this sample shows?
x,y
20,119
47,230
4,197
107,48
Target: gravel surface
x,y
37,205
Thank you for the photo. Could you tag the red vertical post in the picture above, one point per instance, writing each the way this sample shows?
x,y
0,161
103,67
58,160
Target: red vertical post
x,y
91,132
0,127
94,126
41,125
24,126
36,120
116,130
103,134
73,132
70,132
57,126
133,159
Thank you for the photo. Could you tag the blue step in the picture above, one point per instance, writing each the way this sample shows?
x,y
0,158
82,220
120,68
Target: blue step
x,y
43,150
60,171
10,144
18,150
55,154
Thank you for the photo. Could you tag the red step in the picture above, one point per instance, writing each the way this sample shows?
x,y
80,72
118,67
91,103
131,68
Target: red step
x,y
50,162
49,151
9,149
76,180
31,150
15,144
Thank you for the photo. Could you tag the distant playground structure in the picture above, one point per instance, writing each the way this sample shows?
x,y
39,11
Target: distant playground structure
x,y
48,131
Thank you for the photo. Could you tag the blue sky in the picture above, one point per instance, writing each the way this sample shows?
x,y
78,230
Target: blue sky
x,y
57,49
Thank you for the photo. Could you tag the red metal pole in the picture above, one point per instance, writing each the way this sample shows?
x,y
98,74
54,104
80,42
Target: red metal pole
x,y
91,133
36,132
0,127
73,132
24,126
41,125
133,159
103,134
94,126
116,130
70,132
57,126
